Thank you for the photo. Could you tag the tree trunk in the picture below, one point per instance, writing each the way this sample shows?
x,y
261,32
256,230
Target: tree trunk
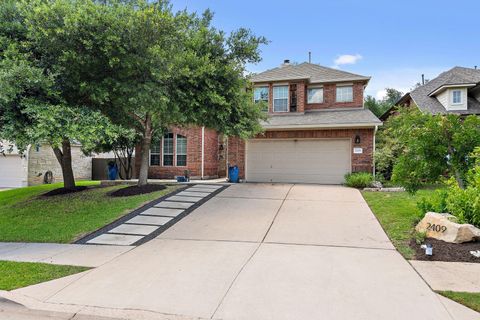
x,y
145,152
64,157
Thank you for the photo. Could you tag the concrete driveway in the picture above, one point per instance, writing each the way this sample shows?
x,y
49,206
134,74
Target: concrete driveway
x,y
258,251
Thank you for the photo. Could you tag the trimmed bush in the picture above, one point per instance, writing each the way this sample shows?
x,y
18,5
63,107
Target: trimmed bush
x,y
358,179
462,203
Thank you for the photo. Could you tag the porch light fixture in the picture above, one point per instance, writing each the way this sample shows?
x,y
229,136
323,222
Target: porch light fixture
x,y
357,139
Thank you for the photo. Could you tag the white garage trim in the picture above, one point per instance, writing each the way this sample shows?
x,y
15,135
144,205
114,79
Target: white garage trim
x,y
281,163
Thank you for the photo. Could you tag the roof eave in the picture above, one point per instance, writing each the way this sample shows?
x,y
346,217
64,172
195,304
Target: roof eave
x,y
323,126
448,86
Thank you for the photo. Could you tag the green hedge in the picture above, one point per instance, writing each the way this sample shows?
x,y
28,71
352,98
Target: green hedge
x,y
358,179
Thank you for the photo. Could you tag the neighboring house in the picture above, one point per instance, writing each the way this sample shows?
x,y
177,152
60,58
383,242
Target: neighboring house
x,y
317,131
454,91
20,170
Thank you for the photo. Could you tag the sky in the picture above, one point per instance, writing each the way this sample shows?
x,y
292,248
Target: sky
x,y
394,42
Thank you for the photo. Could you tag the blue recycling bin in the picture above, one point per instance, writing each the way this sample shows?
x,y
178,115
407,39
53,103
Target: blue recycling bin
x,y
233,174
112,170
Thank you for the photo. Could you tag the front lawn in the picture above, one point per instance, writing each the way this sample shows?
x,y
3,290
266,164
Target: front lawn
x,y
469,299
25,216
398,215
14,275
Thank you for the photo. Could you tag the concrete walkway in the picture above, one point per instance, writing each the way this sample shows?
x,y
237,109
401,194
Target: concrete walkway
x,y
257,251
449,276
142,224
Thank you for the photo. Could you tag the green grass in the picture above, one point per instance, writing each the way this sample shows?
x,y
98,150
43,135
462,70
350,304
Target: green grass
x,y
26,217
398,215
14,275
471,300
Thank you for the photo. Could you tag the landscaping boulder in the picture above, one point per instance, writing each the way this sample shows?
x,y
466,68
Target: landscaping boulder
x,y
444,226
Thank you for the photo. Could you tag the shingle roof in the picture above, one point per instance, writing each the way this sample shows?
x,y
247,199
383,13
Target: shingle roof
x,y
323,119
313,72
457,75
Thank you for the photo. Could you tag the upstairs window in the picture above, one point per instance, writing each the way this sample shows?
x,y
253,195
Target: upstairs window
x,y
260,94
168,149
345,94
315,95
457,97
155,154
280,99
181,150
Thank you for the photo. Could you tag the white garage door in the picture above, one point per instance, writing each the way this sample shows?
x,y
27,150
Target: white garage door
x,y
11,171
309,161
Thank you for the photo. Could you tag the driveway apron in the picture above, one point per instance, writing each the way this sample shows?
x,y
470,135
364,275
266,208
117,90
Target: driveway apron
x,y
263,251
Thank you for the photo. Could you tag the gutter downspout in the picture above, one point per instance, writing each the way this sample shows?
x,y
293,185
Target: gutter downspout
x,y
203,152
374,146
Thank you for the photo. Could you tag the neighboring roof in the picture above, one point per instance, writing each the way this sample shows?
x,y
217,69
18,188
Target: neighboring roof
x,y
313,72
355,118
454,76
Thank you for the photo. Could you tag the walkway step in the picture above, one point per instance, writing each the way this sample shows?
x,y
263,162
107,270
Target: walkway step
x,y
193,194
175,205
166,212
115,239
185,199
150,220
135,229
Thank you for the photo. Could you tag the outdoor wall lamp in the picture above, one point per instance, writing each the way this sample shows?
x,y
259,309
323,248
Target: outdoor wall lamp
x,y
357,139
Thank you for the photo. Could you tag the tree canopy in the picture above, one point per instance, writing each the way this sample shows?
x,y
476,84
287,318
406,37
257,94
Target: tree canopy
x,y
423,148
147,67
139,63
380,106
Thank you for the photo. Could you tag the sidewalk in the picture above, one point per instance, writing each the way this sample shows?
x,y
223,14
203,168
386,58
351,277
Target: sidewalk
x,y
65,254
449,276
10,310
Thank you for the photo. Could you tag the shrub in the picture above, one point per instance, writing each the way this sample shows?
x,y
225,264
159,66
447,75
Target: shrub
x,y
462,203
358,179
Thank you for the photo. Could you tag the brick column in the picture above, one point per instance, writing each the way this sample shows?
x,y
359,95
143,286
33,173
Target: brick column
x,y
301,89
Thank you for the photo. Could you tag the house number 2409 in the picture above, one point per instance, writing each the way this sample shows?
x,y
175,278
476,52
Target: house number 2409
x,y
436,227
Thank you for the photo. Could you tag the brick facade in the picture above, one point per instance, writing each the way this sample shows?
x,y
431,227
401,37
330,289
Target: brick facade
x,y
329,96
213,166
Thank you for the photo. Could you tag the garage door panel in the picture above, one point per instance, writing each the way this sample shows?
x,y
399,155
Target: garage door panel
x,y
11,171
309,161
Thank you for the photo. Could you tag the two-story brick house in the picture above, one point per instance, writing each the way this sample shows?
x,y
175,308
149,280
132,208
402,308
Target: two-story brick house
x,y
317,131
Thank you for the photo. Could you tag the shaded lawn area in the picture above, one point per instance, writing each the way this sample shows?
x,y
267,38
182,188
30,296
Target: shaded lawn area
x,y
469,299
398,214
27,217
14,275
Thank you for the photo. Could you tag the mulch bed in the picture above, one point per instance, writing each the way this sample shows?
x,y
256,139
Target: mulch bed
x,y
136,190
445,251
62,191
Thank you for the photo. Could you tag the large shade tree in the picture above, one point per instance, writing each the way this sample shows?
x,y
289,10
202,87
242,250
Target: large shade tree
x,y
148,68
33,104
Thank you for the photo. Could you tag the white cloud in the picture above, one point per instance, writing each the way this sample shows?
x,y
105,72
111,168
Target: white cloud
x,y
347,59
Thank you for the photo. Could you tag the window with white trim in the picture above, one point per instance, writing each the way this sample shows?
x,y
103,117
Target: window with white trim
x,y
315,95
280,99
168,149
181,151
155,154
457,97
260,94
344,94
